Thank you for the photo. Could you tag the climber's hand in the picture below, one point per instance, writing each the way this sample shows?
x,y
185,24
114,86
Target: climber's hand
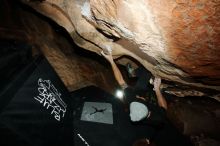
x,y
157,83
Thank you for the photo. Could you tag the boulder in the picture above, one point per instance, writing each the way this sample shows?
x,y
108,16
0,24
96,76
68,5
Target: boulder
x,y
176,40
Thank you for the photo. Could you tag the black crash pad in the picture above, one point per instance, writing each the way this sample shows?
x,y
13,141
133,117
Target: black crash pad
x,y
34,108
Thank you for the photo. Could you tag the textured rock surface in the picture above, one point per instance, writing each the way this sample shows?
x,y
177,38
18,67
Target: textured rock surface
x,y
76,71
198,118
185,113
178,40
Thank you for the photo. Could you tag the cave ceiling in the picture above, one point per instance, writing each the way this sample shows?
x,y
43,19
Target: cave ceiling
x,y
178,40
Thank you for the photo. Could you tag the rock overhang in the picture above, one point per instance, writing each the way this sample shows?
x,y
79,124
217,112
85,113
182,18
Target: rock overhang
x,y
176,40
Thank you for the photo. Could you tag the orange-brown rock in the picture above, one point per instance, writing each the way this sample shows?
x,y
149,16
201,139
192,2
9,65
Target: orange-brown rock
x,y
177,40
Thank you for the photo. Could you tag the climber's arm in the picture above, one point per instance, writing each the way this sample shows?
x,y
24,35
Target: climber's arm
x,y
118,76
160,99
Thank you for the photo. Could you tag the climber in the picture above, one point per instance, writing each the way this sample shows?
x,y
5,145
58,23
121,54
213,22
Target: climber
x,y
143,113
139,110
137,91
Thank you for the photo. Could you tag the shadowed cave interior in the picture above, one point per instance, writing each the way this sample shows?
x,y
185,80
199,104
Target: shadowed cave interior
x,y
87,77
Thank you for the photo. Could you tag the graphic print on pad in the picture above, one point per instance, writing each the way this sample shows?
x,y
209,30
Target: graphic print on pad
x,y
50,98
99,112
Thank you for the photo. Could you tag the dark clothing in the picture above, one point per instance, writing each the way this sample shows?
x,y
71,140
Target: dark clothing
x,y
143,79
163,133
142,86
158,114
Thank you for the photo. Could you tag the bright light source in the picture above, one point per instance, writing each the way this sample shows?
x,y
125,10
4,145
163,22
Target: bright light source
x,y
119,94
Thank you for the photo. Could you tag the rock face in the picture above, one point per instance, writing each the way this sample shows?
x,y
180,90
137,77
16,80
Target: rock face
x,y
185,114
72,65
177,40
